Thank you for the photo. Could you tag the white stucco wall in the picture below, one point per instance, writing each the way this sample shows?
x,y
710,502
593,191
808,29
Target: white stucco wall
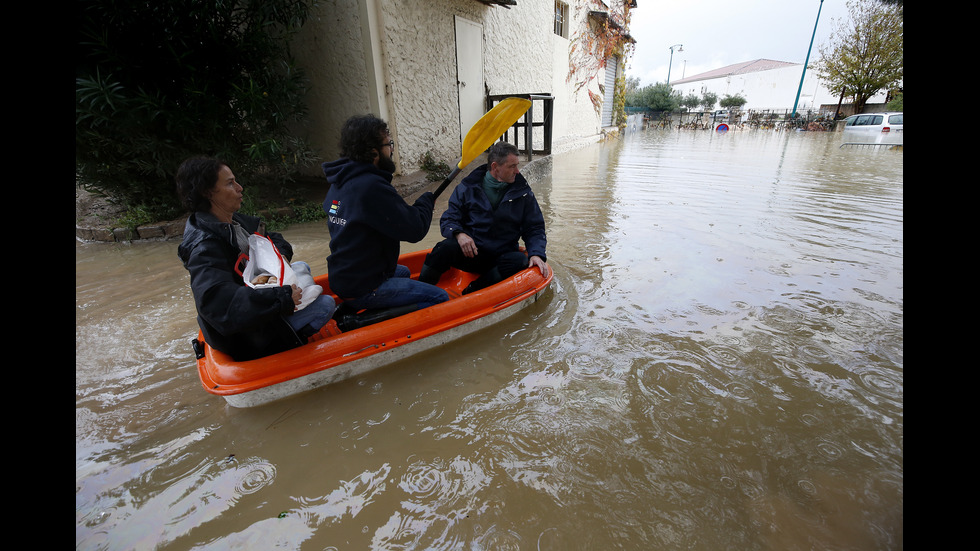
x,y
420,50
418,66
576,119
516,42
533,59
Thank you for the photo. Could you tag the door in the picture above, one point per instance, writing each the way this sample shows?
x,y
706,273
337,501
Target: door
x,y
469,74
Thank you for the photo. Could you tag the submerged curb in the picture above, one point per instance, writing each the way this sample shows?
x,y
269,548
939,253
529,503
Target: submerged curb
x,y
160,230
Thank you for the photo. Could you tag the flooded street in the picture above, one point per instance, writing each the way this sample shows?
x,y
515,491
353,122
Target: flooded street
x,y
718,364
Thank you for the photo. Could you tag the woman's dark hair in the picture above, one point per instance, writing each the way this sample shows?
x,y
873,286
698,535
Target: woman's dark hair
x,y
196,178
360,136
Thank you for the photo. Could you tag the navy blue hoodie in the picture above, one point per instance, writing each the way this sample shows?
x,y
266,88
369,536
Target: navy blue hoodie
x,y
368,220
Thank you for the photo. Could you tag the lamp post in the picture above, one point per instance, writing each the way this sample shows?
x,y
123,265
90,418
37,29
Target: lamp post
x,y
797,101
680,48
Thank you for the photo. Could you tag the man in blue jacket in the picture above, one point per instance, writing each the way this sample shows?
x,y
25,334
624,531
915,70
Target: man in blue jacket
x,y
489,211
368,219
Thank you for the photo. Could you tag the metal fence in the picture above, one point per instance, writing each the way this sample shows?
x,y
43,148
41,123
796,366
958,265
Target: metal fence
x,y
778,119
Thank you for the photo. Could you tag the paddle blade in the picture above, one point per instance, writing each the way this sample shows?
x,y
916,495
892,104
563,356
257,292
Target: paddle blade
x,y
491,126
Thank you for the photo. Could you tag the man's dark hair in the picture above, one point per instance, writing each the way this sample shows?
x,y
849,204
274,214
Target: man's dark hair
x,y
360,136
499,152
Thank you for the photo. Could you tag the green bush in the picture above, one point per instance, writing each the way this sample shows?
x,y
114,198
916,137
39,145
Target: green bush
x,y
434,170
157,82
897,103
655,97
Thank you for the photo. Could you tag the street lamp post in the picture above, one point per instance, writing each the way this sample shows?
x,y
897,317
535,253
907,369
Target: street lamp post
x,y
797,101
680,48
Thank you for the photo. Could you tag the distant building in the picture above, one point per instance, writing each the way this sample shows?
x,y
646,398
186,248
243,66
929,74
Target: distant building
x,y
766,85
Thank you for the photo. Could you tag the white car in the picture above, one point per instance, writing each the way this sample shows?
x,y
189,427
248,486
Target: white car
x,y
875,128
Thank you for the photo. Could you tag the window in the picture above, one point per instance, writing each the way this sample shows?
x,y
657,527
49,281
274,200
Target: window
x,y
561,19
866,120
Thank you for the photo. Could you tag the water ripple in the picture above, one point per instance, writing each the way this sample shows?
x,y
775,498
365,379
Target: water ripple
x,y
883,382
439,494
258,476
499,539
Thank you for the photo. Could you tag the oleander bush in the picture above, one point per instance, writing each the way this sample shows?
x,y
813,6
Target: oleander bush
x,y
157,82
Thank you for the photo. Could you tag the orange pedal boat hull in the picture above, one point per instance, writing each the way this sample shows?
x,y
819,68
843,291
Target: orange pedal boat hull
x,y
340,356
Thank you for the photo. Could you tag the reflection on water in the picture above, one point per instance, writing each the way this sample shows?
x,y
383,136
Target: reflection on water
x,y
718,364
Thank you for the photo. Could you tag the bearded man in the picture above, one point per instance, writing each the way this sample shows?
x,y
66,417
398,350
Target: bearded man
x,y
368,220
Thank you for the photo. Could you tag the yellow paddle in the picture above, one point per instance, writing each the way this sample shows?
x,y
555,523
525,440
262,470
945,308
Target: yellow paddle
x,y
486,131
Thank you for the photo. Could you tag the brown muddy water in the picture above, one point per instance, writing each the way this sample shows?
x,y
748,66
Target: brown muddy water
x,y
718,364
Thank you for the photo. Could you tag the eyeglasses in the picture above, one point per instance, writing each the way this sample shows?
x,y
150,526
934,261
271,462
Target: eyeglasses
x,y
390,144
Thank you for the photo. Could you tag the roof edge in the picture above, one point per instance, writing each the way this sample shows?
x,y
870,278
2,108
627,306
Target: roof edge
x,y
742,68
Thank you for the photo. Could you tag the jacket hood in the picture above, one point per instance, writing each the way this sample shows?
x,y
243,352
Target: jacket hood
x,y
343,170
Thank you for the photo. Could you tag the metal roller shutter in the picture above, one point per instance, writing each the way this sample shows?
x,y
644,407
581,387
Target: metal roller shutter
x,y
610,89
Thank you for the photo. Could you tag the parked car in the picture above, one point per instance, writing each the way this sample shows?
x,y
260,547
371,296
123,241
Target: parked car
x,y
720,115
886,127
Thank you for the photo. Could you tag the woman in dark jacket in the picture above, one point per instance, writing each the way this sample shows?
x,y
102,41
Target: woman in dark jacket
x,y
236,319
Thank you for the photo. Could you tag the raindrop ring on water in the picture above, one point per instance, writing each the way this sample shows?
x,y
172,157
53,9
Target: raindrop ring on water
x,y
258,476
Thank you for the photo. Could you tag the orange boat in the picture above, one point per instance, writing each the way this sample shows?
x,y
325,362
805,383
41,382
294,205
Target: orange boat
x,y
338,356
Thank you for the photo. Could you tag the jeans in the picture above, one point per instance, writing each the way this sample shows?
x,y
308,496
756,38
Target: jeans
x,y
400,290
316,314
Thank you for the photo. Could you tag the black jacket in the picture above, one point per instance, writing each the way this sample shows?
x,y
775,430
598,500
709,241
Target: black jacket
x,y
236,319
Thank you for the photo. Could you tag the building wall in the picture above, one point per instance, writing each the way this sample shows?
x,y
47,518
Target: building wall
x,y
420,39
413,59
329,48
524,55
576,118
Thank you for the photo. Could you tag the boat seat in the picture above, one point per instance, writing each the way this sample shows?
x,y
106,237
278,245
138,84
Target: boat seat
x,y
348,320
